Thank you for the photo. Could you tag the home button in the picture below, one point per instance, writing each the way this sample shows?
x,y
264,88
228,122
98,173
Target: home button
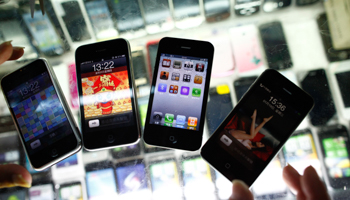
x,y
54,153
227,165
172,139
110,138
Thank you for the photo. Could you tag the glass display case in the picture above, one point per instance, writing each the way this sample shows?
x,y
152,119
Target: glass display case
x,y
249,36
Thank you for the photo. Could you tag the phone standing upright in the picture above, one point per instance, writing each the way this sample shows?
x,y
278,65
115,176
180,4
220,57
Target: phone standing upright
x,y
257,128
41,114
106,87
247,7
179,93
273,5
216,10
187,13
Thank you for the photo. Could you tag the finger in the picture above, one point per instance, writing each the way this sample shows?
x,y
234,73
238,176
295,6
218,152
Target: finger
x,y
292,178
42,6
12,175
17,52
5,51
240,191
312,186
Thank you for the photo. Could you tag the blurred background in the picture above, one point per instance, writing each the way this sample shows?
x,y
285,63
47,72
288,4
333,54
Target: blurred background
x,y
306,40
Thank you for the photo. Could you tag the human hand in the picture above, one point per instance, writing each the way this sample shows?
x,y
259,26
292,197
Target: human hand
x,y
12,175
306,187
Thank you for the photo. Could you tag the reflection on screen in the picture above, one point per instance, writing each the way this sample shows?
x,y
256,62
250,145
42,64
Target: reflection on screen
x,y
71,192
101,184
343,82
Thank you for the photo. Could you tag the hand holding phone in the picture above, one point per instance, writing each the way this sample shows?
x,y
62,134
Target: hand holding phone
x,y
256,129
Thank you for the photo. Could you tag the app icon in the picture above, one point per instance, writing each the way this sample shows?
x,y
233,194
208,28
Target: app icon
x,y
166,62
173,89
175,76
162,87
187,78
185,90
169,118
180,119
164,75
188,65
157,116
196,92
191,128
177,64
192,121
198,79
200,67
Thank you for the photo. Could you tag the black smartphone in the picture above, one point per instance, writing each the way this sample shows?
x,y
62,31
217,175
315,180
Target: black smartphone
x,y
305,2
132,180
101,180
272,5
275,46
335,146
108,108
257,128
242,85
179,93
128,15
216,10
140,69
71,191
218,107
332,54
247,7
41,114
316,84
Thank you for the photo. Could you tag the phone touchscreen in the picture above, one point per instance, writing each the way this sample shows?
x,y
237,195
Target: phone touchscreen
x,y
179,92
71,191
101,184
41,192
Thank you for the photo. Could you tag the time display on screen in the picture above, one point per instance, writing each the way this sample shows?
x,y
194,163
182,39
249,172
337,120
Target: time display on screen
x,y
29,88
103,66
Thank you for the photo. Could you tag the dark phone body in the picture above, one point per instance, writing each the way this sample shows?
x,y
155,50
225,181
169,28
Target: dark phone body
x,y
332,54
335,148
305,2
274,97
242,85
41,114
247,7
159,134
316,84
107,126
216,10
275,46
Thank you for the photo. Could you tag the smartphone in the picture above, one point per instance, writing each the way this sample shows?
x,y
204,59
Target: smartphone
x,y
300,151
41,114
275,46
246,47
9,151
197,178
42,192
305,2
332,54
273,5
126,151
218,107
165,180
101,181
187,13
270,184
247,7
216,10
339,73
101,20
257,128
108,108
336,155
70,191
152,49
132,180
140,69
316,84
242,85
179,93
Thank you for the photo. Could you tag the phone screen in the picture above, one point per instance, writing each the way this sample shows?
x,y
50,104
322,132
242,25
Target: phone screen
x,y
101,184
70,161
130,18
186,8
101,20
218,107
178,96
71,192
316,84
275,45
9,157
131,181
343,82
41,192
212,7
156,11
300,152
165,180
13,194
38,112
44,33
197,179
106,94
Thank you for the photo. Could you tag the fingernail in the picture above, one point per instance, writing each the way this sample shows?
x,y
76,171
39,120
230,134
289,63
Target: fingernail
x,y
6,43
19,47
18,180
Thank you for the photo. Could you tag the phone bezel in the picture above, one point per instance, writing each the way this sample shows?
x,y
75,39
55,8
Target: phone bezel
x,y
275,82
158,135
131,134
65,147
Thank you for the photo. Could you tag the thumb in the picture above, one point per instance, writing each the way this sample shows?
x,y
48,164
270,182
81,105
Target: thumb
x,y
12,175
240,191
